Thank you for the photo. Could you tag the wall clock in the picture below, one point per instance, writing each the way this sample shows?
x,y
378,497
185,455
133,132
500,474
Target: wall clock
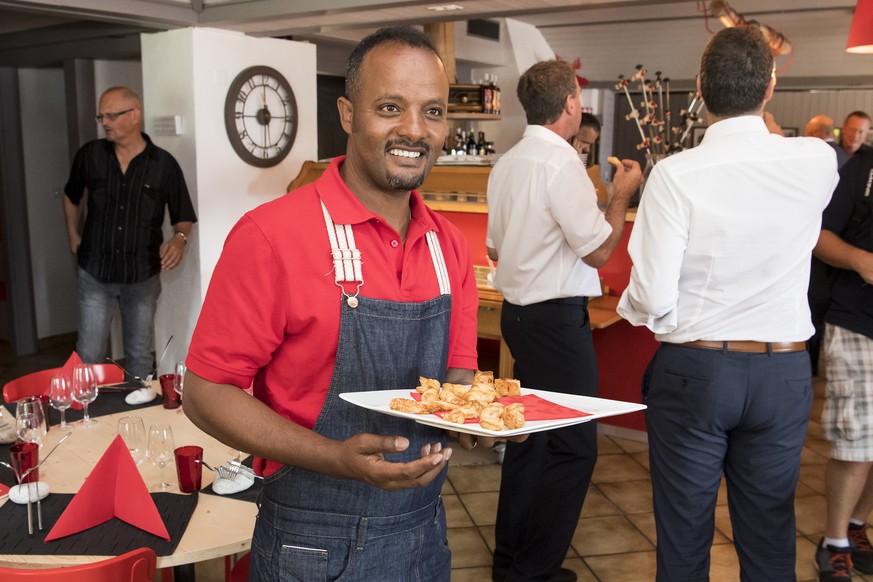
x,y
260,115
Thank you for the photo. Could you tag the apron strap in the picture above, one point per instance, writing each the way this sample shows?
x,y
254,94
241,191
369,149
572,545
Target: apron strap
x,y
439,262
347,259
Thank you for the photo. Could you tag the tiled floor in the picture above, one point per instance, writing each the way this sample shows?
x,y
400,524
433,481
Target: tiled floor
x,y
615,538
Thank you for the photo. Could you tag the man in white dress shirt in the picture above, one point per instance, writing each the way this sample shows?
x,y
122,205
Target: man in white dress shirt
x,y
721,252
550,237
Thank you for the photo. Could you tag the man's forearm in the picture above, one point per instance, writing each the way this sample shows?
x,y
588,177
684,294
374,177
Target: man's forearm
x,y
247,424
72,215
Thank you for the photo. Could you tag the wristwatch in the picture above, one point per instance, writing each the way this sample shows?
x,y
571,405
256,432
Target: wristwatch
x,y
182,234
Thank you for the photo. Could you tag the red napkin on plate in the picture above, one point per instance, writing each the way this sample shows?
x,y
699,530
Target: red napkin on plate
x,y
535,408
113,489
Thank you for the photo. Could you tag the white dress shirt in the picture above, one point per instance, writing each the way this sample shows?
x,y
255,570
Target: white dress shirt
x,y
722,240
542,217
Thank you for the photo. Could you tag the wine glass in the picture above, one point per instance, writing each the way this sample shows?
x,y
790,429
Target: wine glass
x,y
160,450
61,396
84,389
132,432
179,381
30,422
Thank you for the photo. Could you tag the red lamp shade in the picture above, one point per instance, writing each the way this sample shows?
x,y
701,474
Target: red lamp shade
x,y
861,33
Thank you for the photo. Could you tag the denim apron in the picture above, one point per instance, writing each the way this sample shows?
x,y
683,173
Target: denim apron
x,y
312,527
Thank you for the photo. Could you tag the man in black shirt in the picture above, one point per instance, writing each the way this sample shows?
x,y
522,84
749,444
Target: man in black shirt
x,y
121,251
846,243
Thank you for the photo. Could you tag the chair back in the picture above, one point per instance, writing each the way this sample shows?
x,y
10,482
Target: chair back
x,y
134,566
32,384
107,374
37,383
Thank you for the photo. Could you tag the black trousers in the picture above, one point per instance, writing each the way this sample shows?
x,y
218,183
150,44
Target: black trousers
x,y
544,479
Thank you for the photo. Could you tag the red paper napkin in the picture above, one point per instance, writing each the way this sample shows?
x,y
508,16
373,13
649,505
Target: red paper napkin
x,y
535,408
73,361
113,489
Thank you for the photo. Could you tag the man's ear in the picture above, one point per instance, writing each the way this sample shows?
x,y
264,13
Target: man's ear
x,y
770,88
346,113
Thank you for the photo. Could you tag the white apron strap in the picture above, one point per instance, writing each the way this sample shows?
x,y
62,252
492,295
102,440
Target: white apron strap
x,y
347,259
439,263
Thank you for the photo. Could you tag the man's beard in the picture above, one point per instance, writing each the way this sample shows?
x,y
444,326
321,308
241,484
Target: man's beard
x,y
405,183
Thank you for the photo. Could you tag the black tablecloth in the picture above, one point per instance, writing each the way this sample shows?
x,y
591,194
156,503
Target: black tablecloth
x,y
107,403
111,538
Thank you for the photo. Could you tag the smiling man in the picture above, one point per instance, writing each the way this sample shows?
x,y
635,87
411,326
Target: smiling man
x,y
348,284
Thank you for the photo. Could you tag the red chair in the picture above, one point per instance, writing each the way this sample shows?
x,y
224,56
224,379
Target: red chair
x,y
37,383
32,384
135,566
240,571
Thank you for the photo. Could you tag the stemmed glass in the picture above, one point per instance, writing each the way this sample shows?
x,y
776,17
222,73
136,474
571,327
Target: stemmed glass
x,y
61,397
84,389
30,422
132,432
179,381
160,449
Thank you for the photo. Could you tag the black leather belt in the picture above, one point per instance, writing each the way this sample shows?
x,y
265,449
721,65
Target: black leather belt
x,y
583,301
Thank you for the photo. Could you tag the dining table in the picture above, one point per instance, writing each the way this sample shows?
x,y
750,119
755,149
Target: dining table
x,y
219,525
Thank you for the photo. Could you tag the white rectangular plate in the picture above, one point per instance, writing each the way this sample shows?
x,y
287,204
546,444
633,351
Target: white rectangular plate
x,y
379,400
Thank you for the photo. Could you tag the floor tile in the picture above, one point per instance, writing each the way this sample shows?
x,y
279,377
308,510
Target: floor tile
x,y
468,548
606,446
810,514
629,496
612,468
608,535
631,446
597,504
482,507
456,513
632,566
473,479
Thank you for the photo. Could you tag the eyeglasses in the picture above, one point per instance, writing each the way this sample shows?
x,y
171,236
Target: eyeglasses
x,y
111,116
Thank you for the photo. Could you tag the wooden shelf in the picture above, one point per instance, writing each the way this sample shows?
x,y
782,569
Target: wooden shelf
x,y
474,116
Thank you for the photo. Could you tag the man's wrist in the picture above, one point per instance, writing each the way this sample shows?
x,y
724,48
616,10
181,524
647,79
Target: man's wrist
x,y
182,235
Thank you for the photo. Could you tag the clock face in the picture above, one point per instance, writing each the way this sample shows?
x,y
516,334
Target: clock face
x,y
260,115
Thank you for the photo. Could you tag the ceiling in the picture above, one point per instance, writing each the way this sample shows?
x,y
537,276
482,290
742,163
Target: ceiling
x,y
46,32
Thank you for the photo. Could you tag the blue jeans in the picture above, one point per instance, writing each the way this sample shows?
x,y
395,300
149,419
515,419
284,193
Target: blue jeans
x,y
138,303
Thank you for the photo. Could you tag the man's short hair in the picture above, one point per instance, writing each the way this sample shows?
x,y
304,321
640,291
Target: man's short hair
x,y
588,120
403,35
543,90
126,93
859,114
735,71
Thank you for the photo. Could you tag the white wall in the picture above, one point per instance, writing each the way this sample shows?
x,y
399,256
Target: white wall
x,y
46,165
187,72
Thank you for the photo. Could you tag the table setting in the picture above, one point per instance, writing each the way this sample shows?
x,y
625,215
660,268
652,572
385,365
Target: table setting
x,y
129,478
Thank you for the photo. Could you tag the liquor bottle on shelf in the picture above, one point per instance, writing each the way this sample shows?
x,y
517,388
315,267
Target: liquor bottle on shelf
x,y
487,95
462,142
472,148
481,144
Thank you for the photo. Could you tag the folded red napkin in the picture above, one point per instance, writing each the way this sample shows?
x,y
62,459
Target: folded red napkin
x,y
535,408
113,489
